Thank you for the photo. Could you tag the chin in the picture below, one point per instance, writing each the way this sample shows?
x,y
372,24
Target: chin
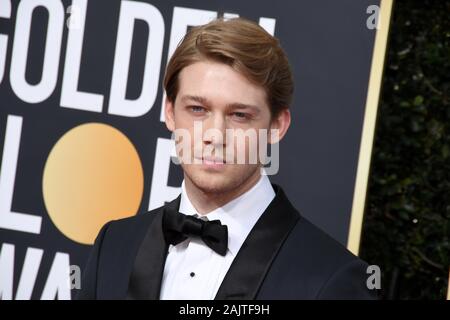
x,y
215,182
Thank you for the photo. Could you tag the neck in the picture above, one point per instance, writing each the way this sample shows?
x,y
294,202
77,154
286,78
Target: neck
x,y
205,202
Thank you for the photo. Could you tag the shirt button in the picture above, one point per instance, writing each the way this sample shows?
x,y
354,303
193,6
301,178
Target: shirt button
x,y
192,274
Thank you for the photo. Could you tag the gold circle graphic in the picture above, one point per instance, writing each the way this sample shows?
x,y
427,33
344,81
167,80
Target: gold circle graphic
x,y
92,175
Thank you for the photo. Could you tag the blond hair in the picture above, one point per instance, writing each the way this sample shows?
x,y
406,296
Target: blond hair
x,y
244,46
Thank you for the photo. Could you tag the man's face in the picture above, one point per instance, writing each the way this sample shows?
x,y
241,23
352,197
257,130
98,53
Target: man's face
x,y
215,98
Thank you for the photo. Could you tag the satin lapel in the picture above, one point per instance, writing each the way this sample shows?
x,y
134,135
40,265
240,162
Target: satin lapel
x,y
255,257
146,276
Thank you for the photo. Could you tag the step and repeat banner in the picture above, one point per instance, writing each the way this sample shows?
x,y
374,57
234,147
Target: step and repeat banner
x,y
82,137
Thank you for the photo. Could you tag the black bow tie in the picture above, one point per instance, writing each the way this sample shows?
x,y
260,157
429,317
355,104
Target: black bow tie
x,y
178,227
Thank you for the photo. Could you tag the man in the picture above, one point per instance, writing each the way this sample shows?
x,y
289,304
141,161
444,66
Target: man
x,y
231,234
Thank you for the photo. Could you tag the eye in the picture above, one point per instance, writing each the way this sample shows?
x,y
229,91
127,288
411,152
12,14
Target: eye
x,y
240,115
196,109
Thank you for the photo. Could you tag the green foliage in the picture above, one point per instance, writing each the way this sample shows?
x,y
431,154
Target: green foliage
x,y
407,220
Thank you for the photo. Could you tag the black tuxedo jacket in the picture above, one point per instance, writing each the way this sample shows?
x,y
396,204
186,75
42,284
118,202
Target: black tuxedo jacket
x,y
283,257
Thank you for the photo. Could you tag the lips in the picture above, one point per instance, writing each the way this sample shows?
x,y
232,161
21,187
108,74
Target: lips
x,y
213,163
213,160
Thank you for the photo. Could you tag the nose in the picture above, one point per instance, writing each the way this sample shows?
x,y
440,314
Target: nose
x,y
214,130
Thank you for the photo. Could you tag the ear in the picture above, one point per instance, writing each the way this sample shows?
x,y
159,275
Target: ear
x,y
281,123
169,114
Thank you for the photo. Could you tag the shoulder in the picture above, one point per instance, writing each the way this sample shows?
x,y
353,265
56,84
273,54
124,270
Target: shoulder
x,y
313,251
128,231
307,237
314,265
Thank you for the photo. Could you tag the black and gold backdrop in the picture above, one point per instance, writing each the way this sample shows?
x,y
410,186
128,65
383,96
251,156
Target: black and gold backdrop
x,y
82,138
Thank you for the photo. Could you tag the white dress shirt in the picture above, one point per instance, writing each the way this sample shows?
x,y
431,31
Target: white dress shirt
x,y
194,271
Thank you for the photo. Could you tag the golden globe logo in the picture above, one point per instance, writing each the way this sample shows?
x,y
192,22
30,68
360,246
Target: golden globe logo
x,y
92,175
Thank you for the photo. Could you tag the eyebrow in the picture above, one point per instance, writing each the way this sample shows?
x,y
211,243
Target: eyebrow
x,y
233,105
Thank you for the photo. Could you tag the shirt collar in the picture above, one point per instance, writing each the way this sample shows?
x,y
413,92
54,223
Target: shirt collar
x,y
240,214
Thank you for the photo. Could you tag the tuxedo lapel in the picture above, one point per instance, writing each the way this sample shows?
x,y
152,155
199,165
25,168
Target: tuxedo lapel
x,y
249,267
255,257
146,276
